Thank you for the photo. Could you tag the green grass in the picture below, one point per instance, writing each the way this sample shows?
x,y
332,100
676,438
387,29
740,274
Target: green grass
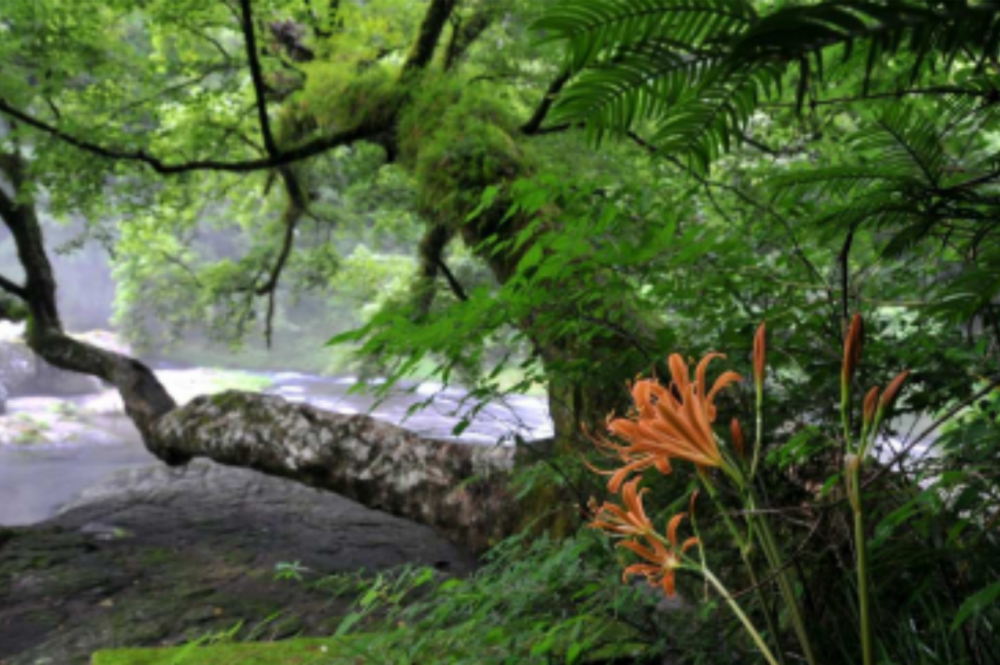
x,y
290,652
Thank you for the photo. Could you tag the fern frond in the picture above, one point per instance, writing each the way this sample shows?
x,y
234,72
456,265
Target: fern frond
x,y
835,182
934,33
904,140
703,123
636,85
595,27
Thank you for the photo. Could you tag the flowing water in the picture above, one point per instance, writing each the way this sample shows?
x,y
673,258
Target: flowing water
x,y
55,448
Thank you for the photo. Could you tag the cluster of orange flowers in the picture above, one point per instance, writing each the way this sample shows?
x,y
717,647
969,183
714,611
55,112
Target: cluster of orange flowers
x,y
667,423
675,422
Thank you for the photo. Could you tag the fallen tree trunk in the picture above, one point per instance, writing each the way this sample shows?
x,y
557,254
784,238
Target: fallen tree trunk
x,y
459,489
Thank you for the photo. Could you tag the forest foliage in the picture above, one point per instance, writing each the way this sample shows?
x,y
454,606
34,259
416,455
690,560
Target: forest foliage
x,y
568,192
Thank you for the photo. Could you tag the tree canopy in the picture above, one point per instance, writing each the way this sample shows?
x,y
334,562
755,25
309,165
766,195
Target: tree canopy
x,y
512,195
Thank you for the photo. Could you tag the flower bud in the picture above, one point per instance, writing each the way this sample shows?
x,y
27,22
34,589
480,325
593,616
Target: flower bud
x,y
759,354
871,401
738,441
852,349
892,390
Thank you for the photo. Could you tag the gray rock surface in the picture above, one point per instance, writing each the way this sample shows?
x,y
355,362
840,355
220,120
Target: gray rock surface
x,y
157,556
3,399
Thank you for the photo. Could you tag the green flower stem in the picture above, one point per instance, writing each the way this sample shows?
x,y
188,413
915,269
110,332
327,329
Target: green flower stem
x,y
845,413
744,547
772,624
722,591
861,545
774,558
759,443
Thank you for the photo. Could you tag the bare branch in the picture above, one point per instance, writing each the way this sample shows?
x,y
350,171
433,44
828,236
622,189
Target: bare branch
x,y
456,286
360,132
987,93
951,413
9,286
534,124
296,208
250,39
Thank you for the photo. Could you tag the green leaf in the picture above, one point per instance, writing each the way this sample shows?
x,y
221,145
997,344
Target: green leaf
x,y
975,604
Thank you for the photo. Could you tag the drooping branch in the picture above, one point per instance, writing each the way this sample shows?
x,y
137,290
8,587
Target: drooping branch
x,y
431,248
294,210
456,286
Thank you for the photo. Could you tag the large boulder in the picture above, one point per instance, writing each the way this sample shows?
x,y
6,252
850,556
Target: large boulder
x,y
156,556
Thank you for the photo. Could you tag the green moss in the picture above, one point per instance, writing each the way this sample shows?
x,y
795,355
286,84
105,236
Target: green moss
x,y
297,652
458,140
228,400
336,95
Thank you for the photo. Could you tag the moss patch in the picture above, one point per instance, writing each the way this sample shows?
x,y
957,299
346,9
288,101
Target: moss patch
x,y
290,652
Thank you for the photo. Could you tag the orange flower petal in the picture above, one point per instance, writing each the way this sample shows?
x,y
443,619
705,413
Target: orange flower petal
x,y
672,528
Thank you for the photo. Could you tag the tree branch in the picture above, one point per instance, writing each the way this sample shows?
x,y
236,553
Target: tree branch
x,y
456,286
438,13
466,32
293,213
360,132
9,286
534,123
250,40
897,94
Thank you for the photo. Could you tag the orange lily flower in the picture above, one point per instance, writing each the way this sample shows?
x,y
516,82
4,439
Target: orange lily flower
x,y
662,560
632,521
635,461
674,423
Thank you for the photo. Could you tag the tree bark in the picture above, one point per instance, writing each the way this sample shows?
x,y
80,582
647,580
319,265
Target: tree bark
x,y
459,489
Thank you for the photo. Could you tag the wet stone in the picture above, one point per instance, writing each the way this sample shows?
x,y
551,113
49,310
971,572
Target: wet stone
x,y
157,556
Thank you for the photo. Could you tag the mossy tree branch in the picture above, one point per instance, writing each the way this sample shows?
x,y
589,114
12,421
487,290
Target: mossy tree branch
x,y
422,52
467,30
